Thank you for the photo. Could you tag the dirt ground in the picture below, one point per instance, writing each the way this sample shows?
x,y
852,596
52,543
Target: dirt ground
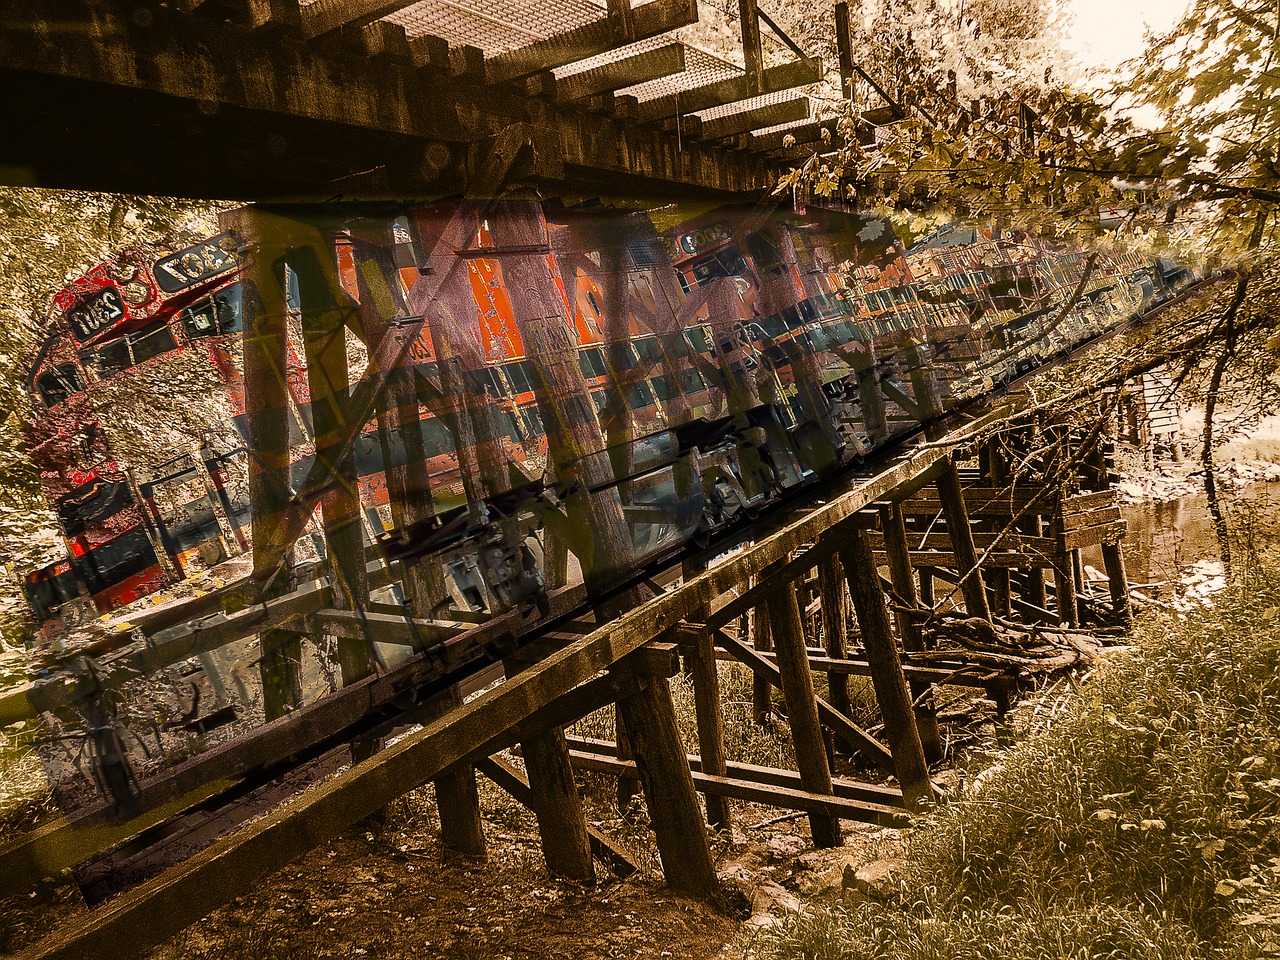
x,y
389,890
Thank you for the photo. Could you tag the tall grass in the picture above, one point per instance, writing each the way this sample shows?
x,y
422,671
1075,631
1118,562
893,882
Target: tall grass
x,y
1145,821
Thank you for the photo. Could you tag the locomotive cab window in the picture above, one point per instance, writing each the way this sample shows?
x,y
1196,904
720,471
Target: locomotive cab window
x,y
57,384
214,315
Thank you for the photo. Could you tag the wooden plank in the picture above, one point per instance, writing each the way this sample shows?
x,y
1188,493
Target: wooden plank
x,y
1089,501
1111,532
599,36
744,121
626,71
402,630
717,94
1089,518
623,862
804,133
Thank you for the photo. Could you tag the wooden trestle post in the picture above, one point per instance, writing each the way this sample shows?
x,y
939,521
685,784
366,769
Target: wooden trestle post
x,y
267,415
761,688
998,471
557,805
835,628
700,661
904,585
802,709
324,323
672,801
886,670
1117,578
961,534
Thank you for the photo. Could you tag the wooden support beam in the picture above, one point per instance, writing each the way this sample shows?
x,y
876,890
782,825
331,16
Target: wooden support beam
x,y
957,673
878,793
717,94
998,470
623,862
599,36
835,613
961,533
323,305
457,800
377,627
904,585
1117,579
761,684
267,415
887,677
802,713
626,71
650,721
749,26
555,801
744,121
844,49
700,662
430,53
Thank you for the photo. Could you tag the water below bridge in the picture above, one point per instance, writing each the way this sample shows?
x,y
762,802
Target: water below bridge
x,y
1166,537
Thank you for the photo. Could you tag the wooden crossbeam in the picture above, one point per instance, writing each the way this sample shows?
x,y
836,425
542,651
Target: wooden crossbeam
x,y
742,121
626,71
325,16
858,667
803,133
788,797
877,793
589,40
794,74
1003,540
382,627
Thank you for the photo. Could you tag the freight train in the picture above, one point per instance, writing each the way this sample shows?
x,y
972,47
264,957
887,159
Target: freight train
x,y
689,367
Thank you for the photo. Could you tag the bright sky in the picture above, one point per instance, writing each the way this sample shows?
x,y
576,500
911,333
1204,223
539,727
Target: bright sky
x,y
1107,32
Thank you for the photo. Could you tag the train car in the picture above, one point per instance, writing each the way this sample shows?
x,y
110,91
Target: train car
x,y
728,357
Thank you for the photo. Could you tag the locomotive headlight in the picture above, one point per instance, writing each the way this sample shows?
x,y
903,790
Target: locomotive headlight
x,y
136,292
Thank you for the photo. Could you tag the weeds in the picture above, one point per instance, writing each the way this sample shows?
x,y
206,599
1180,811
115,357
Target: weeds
x,y
1144,822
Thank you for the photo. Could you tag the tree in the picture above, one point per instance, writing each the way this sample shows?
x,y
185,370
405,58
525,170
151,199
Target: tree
x,y
980,133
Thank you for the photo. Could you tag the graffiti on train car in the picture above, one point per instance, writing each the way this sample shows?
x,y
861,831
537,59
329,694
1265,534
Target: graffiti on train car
x,y
485,402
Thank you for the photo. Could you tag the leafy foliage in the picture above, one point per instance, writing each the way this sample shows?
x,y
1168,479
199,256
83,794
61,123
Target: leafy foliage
x,y
1145,821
